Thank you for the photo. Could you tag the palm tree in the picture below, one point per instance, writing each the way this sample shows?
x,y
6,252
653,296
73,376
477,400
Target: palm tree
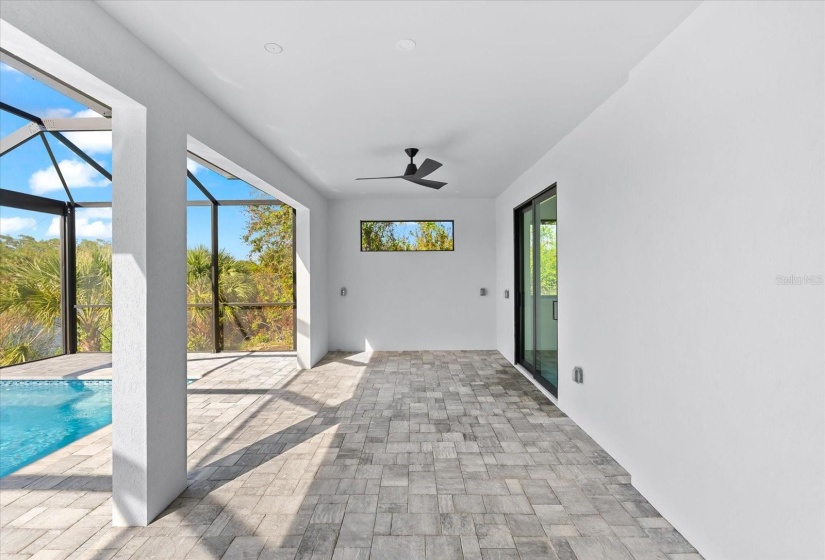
x,y
94,289
30,300
236,285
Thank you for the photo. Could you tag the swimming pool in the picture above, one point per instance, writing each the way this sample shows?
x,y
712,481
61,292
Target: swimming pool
x,y
40,417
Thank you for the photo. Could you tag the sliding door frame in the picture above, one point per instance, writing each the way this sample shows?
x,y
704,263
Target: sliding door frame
x,y
519,278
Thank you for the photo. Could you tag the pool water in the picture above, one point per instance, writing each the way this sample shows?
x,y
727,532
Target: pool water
x,y
40,417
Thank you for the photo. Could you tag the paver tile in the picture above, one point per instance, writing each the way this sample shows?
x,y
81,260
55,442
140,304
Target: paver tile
x,y
390,455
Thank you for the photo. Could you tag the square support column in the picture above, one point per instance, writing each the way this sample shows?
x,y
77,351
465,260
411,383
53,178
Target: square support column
x,y
149,314
303,294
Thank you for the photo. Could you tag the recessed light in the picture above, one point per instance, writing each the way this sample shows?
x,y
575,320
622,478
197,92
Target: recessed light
x,y
405,45
274,48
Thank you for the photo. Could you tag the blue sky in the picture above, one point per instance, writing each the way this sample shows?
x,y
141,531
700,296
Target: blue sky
x,y
28,169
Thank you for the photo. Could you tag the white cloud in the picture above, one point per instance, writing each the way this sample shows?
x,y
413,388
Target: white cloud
x,y
84,227
97,142
16,224
54,228
64,113
97,229
77,174
86,113
193,166
59,113
105,213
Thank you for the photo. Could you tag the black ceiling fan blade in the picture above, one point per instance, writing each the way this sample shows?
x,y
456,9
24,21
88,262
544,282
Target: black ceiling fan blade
x,y
426,168
369,178
425,182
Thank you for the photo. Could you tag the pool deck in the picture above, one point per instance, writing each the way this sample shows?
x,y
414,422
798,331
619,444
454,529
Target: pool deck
x,y
386,456
98,365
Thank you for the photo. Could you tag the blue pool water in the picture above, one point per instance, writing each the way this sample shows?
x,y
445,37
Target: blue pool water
x,y
39,417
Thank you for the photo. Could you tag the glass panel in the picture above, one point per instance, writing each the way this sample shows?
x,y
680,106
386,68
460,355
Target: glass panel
x,y
192,191
199,254
28,169
256,266
199,331
199,278
222,188
30,286
36,278
94,328
407,236
85,182
93,228
9,123
547,309
21,91
527,287
257,327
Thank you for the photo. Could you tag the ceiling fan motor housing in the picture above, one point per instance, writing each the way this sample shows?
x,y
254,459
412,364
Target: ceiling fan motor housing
x,y
411,167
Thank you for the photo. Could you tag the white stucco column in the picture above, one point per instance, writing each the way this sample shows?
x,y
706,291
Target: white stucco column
x,y
149,314
303,293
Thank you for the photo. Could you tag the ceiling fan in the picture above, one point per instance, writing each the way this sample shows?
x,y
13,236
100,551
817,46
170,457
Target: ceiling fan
x,y
415,174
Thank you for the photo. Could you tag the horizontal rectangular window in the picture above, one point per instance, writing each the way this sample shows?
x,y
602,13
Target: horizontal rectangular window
x,y
407,236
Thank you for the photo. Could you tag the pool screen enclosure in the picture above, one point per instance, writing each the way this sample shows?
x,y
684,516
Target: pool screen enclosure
x,y
60,154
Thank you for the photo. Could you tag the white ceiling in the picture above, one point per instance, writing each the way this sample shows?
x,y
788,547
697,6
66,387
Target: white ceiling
x,y
490,88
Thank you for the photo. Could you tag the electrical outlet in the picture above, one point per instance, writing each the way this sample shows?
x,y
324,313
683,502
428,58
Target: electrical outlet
x,y
484,291
343,291
578,374
506,294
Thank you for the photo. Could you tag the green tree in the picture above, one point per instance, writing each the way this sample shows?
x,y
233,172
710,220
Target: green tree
x,y
383,236
433,236
547,250
94,289
406,236
269,233
30,292
199,291
30,299
236,285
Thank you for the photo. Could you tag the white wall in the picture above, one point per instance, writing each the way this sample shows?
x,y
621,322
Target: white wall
x,y
680,201
412,300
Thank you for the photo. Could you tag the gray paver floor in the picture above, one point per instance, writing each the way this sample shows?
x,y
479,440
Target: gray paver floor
x,y
389,455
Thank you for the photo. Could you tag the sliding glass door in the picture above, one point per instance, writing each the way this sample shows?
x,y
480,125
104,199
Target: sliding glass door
x,y
537,293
